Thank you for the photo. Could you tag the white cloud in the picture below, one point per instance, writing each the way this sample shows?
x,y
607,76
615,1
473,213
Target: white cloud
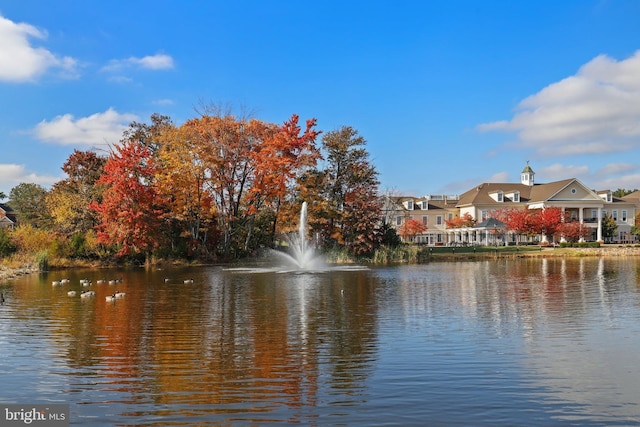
x,y
22,62
95,130
595,111
164,101
151,62
12,174
559,171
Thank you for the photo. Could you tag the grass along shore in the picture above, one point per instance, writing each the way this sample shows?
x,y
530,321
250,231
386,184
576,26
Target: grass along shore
x,y
410,254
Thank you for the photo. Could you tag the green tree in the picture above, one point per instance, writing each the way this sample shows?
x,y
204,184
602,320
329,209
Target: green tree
x,y
350,187
609,228
28,200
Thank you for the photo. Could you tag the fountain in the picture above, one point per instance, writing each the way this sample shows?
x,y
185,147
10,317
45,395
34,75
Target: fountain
x,y
301,257
302,254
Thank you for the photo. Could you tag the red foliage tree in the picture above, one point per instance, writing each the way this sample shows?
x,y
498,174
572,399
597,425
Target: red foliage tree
x,y
547,221
130,213
573,231
520,221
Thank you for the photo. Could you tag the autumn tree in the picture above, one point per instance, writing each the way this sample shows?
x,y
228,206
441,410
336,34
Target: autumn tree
x,y
547,221
282,158
519,220
28,200
464,221
410,228
183,179
574,231
69,199
131,211
149,134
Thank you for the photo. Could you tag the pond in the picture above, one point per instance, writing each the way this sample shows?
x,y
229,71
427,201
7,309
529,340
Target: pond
x,y
489,343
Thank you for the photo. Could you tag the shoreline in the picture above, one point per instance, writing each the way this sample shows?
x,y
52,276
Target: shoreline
x,y
8,273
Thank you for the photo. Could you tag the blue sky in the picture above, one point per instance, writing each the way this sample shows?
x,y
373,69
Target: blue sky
x,y
448,94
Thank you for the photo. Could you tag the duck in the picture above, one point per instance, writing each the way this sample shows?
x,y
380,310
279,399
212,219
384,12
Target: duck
x,y
56,283
119,294
87,283
100,281
111,298
64,281
188,280
72,293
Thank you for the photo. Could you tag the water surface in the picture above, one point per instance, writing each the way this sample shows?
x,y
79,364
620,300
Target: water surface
x,y
511,342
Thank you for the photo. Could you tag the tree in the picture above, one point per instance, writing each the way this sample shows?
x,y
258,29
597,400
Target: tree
x,y
621,192
547,221
2,196
520,221
350,187
574,231
410,228
69,199
609,227
464,221
28,200
281,158
182,178
131,212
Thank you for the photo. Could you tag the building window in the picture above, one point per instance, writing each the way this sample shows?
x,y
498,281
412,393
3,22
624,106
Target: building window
x,y
439,220
624,215
500,196
573,191
425,205
450,216
594,214
410,205
484,215
398,220
516,197
425,220
614,214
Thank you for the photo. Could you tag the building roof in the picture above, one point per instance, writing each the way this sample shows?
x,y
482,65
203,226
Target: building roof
x,y
481,195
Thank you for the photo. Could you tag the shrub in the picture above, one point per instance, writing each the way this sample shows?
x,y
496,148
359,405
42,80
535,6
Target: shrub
x,y
7,247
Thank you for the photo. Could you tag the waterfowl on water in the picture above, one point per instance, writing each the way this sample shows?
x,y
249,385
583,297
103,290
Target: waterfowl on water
x,y
56,283
65,281
119,294
72,293
188,280
110,298
100,281
87,294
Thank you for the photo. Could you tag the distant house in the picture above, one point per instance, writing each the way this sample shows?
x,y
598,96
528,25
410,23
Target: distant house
x,y
578,202
7,216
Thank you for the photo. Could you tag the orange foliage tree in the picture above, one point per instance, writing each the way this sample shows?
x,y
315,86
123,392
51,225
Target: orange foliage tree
x,y
463,221
410,228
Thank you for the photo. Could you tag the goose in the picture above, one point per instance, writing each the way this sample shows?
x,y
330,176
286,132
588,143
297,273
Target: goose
x,y
119,294
72,293
64,281
87,294
100,281
112,282
87,283
111,298
55,283
188,280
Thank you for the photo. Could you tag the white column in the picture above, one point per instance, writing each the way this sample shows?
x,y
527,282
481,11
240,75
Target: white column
x,y
599,232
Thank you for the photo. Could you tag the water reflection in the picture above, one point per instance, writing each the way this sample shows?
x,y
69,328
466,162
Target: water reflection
x,y
476,342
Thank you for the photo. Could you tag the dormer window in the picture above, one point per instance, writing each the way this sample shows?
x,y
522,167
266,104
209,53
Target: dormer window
x,y
410,205
516,197
425,204
498,196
